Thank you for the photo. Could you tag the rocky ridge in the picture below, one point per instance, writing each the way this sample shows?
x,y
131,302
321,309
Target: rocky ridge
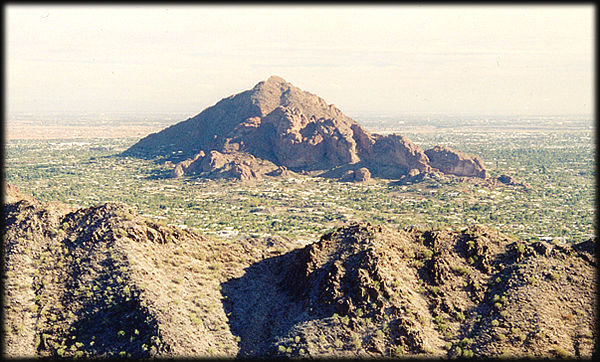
x,y
104,281
276,124
440,293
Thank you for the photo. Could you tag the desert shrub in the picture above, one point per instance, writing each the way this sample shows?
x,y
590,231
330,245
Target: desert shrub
x,y
460,270
554,276
356,341
561,352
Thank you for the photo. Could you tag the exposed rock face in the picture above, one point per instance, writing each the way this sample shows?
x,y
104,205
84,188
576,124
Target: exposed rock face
x,y
308,143
282,171
456,163
413,172
509,180
286,126
183,167
394,155
437,293
361,175
215,164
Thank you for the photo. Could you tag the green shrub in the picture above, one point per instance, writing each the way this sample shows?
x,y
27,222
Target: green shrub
x,y
561,352
460,270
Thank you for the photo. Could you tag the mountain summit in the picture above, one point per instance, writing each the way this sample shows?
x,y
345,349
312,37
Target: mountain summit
x,y
276,127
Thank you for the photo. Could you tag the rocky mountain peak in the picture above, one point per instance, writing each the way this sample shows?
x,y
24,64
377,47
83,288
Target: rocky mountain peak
x,y
276,124
276,92
276,79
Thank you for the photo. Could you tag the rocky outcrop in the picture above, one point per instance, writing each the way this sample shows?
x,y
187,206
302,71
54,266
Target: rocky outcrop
x,y
242,166
282,171
85,283
286,126
393,156
360,175
509,180
436,293
456,163
183,167
105,282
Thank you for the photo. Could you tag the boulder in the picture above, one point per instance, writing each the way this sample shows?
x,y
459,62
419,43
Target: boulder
x,y
362,175
456,163
509,180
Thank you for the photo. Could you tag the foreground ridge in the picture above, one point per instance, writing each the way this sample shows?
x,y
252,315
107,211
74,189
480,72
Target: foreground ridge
x,y
104,281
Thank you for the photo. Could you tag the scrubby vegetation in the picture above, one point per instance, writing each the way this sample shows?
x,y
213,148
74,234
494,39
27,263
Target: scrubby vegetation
x,y
277,266
105,282
557,167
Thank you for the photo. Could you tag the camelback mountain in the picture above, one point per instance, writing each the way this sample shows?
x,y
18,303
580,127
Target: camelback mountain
x,y
104,281
276,128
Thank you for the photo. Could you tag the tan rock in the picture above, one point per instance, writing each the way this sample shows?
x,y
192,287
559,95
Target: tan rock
x,y
413,172
397,150
362,175
279,123
456,163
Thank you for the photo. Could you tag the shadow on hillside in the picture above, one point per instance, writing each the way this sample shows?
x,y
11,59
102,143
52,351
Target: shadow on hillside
x,y
109,320
258,307
158,175
109,328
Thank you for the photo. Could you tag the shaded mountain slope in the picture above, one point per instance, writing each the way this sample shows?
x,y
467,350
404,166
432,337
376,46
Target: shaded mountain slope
x,y
281,125
363,290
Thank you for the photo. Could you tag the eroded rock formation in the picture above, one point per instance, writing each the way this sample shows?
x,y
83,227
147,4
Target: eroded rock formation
x,y
456,163
277,124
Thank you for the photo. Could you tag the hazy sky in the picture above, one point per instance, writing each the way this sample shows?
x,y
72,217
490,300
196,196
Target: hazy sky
x,y
365,59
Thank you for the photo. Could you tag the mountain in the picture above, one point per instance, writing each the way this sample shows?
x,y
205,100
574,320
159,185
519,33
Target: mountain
x,y
367,291
276,125
103,281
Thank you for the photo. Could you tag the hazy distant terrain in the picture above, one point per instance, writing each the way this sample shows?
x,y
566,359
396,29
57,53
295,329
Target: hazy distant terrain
x,y
117,125
76,125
